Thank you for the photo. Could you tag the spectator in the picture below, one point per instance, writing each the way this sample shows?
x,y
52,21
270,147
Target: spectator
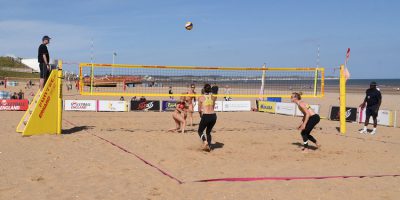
x,y
215,88
142,99
14,96
122,98
77,85
227,93
20,94
170,92
134,98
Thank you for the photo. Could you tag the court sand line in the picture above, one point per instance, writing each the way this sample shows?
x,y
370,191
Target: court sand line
x,y
236,179
134,154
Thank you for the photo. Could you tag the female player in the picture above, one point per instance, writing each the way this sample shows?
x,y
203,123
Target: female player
x,y
179,117
189,101
310,119
208,116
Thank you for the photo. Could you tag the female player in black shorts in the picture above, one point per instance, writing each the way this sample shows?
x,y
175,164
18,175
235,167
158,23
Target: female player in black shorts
x,y
310,119
208,116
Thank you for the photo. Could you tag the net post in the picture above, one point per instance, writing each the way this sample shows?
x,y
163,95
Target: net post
x,y
261,93
91,79
322,82
342,81
315,81
59,98
80,81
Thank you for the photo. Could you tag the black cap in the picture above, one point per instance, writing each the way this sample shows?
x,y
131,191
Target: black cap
x,y
46,38
373,83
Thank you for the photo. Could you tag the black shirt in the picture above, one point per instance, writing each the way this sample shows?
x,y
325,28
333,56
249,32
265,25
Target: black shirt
x,y
43,50
20,95
214,89
373,97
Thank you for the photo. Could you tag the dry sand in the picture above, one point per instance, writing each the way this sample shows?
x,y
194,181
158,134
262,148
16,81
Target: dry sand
x,y
79,165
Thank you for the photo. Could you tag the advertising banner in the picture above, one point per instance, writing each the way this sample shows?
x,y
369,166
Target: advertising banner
x,y
168,105
80,105
145,105
385,117
285,108
351,113
266,106
228,106
14,104
112,106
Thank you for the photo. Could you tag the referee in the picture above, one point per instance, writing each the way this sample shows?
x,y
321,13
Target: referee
x,y
373,99
44,61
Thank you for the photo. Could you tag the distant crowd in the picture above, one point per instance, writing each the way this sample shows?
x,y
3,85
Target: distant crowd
x,y
19,95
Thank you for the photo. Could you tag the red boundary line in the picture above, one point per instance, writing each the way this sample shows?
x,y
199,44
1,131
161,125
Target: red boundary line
x,y
137,156
243,179
290,178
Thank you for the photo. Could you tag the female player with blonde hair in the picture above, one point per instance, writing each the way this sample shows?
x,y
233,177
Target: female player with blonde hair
x,y
310,119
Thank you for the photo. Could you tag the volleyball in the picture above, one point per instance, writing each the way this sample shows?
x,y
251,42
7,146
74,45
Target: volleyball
x,y
189,26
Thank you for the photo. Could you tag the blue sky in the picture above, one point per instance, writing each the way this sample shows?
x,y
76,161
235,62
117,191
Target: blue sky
x,y
226,33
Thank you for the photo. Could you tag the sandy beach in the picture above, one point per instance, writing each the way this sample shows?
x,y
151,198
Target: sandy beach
x,y
81,164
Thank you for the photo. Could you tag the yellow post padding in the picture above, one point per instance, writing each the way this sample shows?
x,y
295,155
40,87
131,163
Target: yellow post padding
x,y
342,100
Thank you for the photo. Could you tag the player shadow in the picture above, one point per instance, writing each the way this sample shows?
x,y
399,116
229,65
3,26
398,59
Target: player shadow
x,y
301,145
76,129
217,145
190,131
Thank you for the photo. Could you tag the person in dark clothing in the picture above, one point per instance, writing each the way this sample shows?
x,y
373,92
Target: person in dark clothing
x,y
14,96
20,94
214,88
208,116
310,120
170,92
44,61
372,100
142,99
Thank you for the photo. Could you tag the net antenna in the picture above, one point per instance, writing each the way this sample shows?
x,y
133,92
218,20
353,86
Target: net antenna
x,y
262,83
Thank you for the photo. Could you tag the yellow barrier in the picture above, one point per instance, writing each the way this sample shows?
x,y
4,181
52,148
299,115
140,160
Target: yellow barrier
x,y
44,115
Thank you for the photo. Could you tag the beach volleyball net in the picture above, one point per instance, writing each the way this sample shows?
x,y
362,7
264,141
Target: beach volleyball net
x,y
161,81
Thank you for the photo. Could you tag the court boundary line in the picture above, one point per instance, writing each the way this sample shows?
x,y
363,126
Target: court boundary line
x,y
234,179
134,154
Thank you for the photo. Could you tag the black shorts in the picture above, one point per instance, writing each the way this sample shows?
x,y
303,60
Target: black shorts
x,y
371,112
44,72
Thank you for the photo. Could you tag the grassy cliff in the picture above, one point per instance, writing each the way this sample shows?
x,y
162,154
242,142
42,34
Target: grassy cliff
x,y
8,62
